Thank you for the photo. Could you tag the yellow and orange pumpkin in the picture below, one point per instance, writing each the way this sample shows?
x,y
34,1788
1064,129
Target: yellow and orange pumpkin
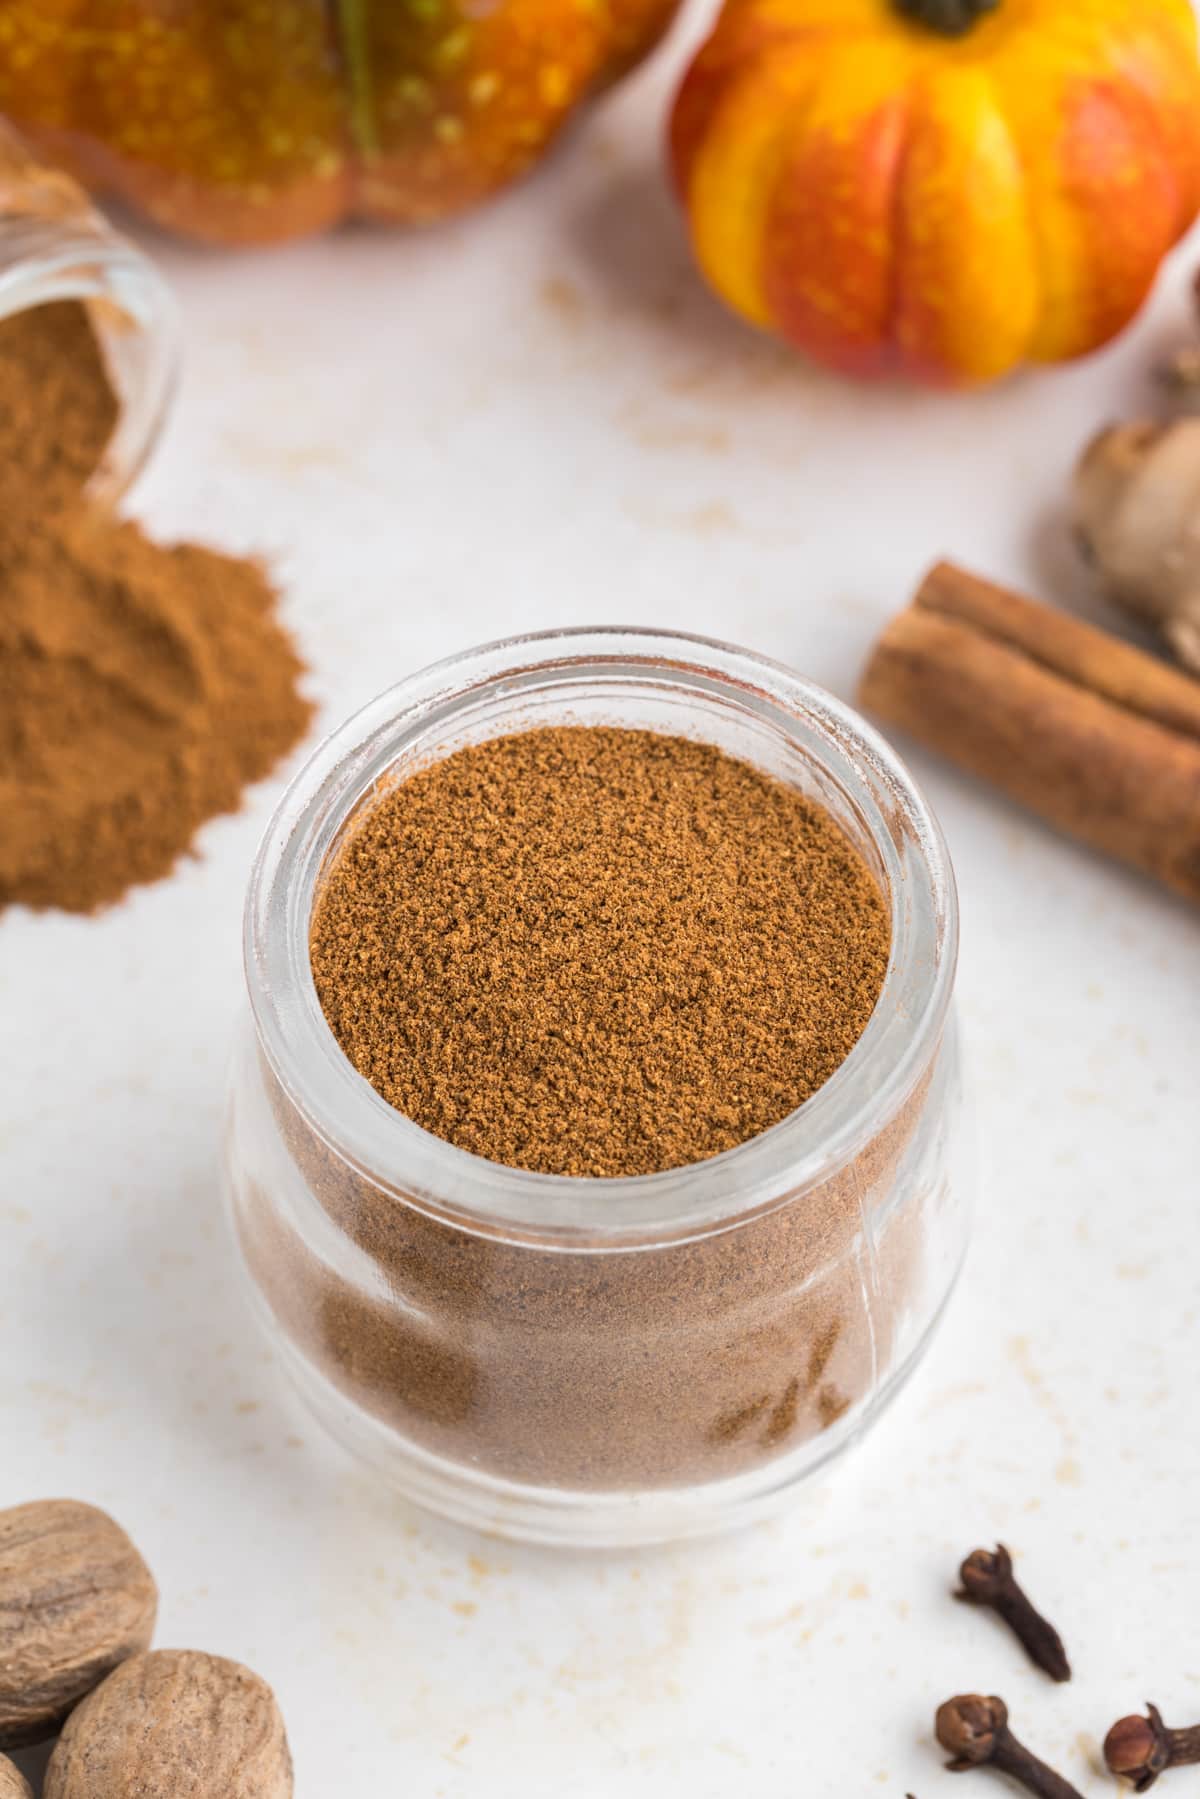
x,y
247,121
942,188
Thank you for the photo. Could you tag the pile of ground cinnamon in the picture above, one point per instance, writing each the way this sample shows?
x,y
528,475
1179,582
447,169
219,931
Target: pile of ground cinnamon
x,y
594,951
141,686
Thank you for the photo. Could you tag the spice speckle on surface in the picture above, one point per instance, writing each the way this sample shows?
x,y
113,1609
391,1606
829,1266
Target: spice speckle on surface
x,y
597,951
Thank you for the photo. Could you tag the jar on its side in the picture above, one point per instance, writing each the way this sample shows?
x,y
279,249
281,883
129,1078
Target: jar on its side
x,y
602,1361
55,245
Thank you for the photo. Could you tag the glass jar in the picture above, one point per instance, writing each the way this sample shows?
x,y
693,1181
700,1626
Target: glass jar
x,y
602,1362
55,245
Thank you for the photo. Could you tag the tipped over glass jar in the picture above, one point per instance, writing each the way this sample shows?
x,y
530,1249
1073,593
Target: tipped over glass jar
x,y
600,1361
56,246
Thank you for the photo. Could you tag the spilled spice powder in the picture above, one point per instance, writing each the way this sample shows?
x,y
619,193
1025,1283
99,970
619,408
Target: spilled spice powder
x,y
142,687
594,951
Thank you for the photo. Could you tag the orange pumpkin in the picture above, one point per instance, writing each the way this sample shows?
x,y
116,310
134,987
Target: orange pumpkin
x,y
245,121
942,188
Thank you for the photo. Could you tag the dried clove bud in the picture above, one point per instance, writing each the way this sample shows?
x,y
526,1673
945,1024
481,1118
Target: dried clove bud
x,y
974,1732
987,1579
1140,1749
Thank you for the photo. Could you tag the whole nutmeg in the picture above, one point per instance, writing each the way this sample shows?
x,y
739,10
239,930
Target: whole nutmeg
x,y
174,1725
13,1784
76,1599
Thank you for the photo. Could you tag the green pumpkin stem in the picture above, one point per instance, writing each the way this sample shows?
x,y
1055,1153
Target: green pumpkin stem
x,y
951,17
351,16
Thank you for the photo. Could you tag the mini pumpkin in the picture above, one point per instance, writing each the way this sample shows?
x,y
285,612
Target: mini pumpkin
x,y
941,188
248,121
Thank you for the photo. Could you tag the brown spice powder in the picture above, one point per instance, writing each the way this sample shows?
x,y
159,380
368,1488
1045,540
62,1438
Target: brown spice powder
x,y
594,1368
594,951
141,687
57,407
591,1367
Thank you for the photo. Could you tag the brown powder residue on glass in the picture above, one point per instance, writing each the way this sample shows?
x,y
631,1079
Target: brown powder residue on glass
x,y
142,687
591,1367
594,951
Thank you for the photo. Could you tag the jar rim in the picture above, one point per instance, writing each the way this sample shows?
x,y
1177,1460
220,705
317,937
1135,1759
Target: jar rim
x,y
779,1165
83,258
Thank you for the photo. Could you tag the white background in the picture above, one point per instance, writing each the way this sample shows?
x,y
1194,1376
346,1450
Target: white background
x,y
539,417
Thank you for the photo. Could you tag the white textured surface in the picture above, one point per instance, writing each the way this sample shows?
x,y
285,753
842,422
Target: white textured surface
x,y
532,418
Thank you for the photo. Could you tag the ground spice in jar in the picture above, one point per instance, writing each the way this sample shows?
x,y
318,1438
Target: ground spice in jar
x,y
142,687
593,951
587,1366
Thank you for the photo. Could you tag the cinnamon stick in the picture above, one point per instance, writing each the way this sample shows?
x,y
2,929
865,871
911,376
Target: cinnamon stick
x,y
1090,733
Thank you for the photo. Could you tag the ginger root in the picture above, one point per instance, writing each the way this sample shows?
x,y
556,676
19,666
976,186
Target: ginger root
x,y
1137,515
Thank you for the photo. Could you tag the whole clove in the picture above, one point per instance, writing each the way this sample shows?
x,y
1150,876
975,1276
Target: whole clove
x,y
1140,1749
988,1579
974,1732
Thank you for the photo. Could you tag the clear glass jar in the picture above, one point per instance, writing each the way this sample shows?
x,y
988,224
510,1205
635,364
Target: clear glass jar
x,y
55,245
602,1362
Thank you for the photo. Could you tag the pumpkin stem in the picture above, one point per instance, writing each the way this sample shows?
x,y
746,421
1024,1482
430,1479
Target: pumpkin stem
x,y
353,44
951,17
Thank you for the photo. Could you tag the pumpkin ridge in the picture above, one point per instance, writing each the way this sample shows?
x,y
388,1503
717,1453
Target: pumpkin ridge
x,y
893,358
1143,127
757,36
1042,227
829,279
899,356
710,168
1029,212
1138,87
961,317
1072,311
1129,95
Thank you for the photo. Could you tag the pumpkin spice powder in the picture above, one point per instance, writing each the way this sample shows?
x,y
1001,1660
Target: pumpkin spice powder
x,y
594,951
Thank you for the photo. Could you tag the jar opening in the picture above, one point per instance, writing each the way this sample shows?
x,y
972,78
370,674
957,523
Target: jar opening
x,y
131,310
